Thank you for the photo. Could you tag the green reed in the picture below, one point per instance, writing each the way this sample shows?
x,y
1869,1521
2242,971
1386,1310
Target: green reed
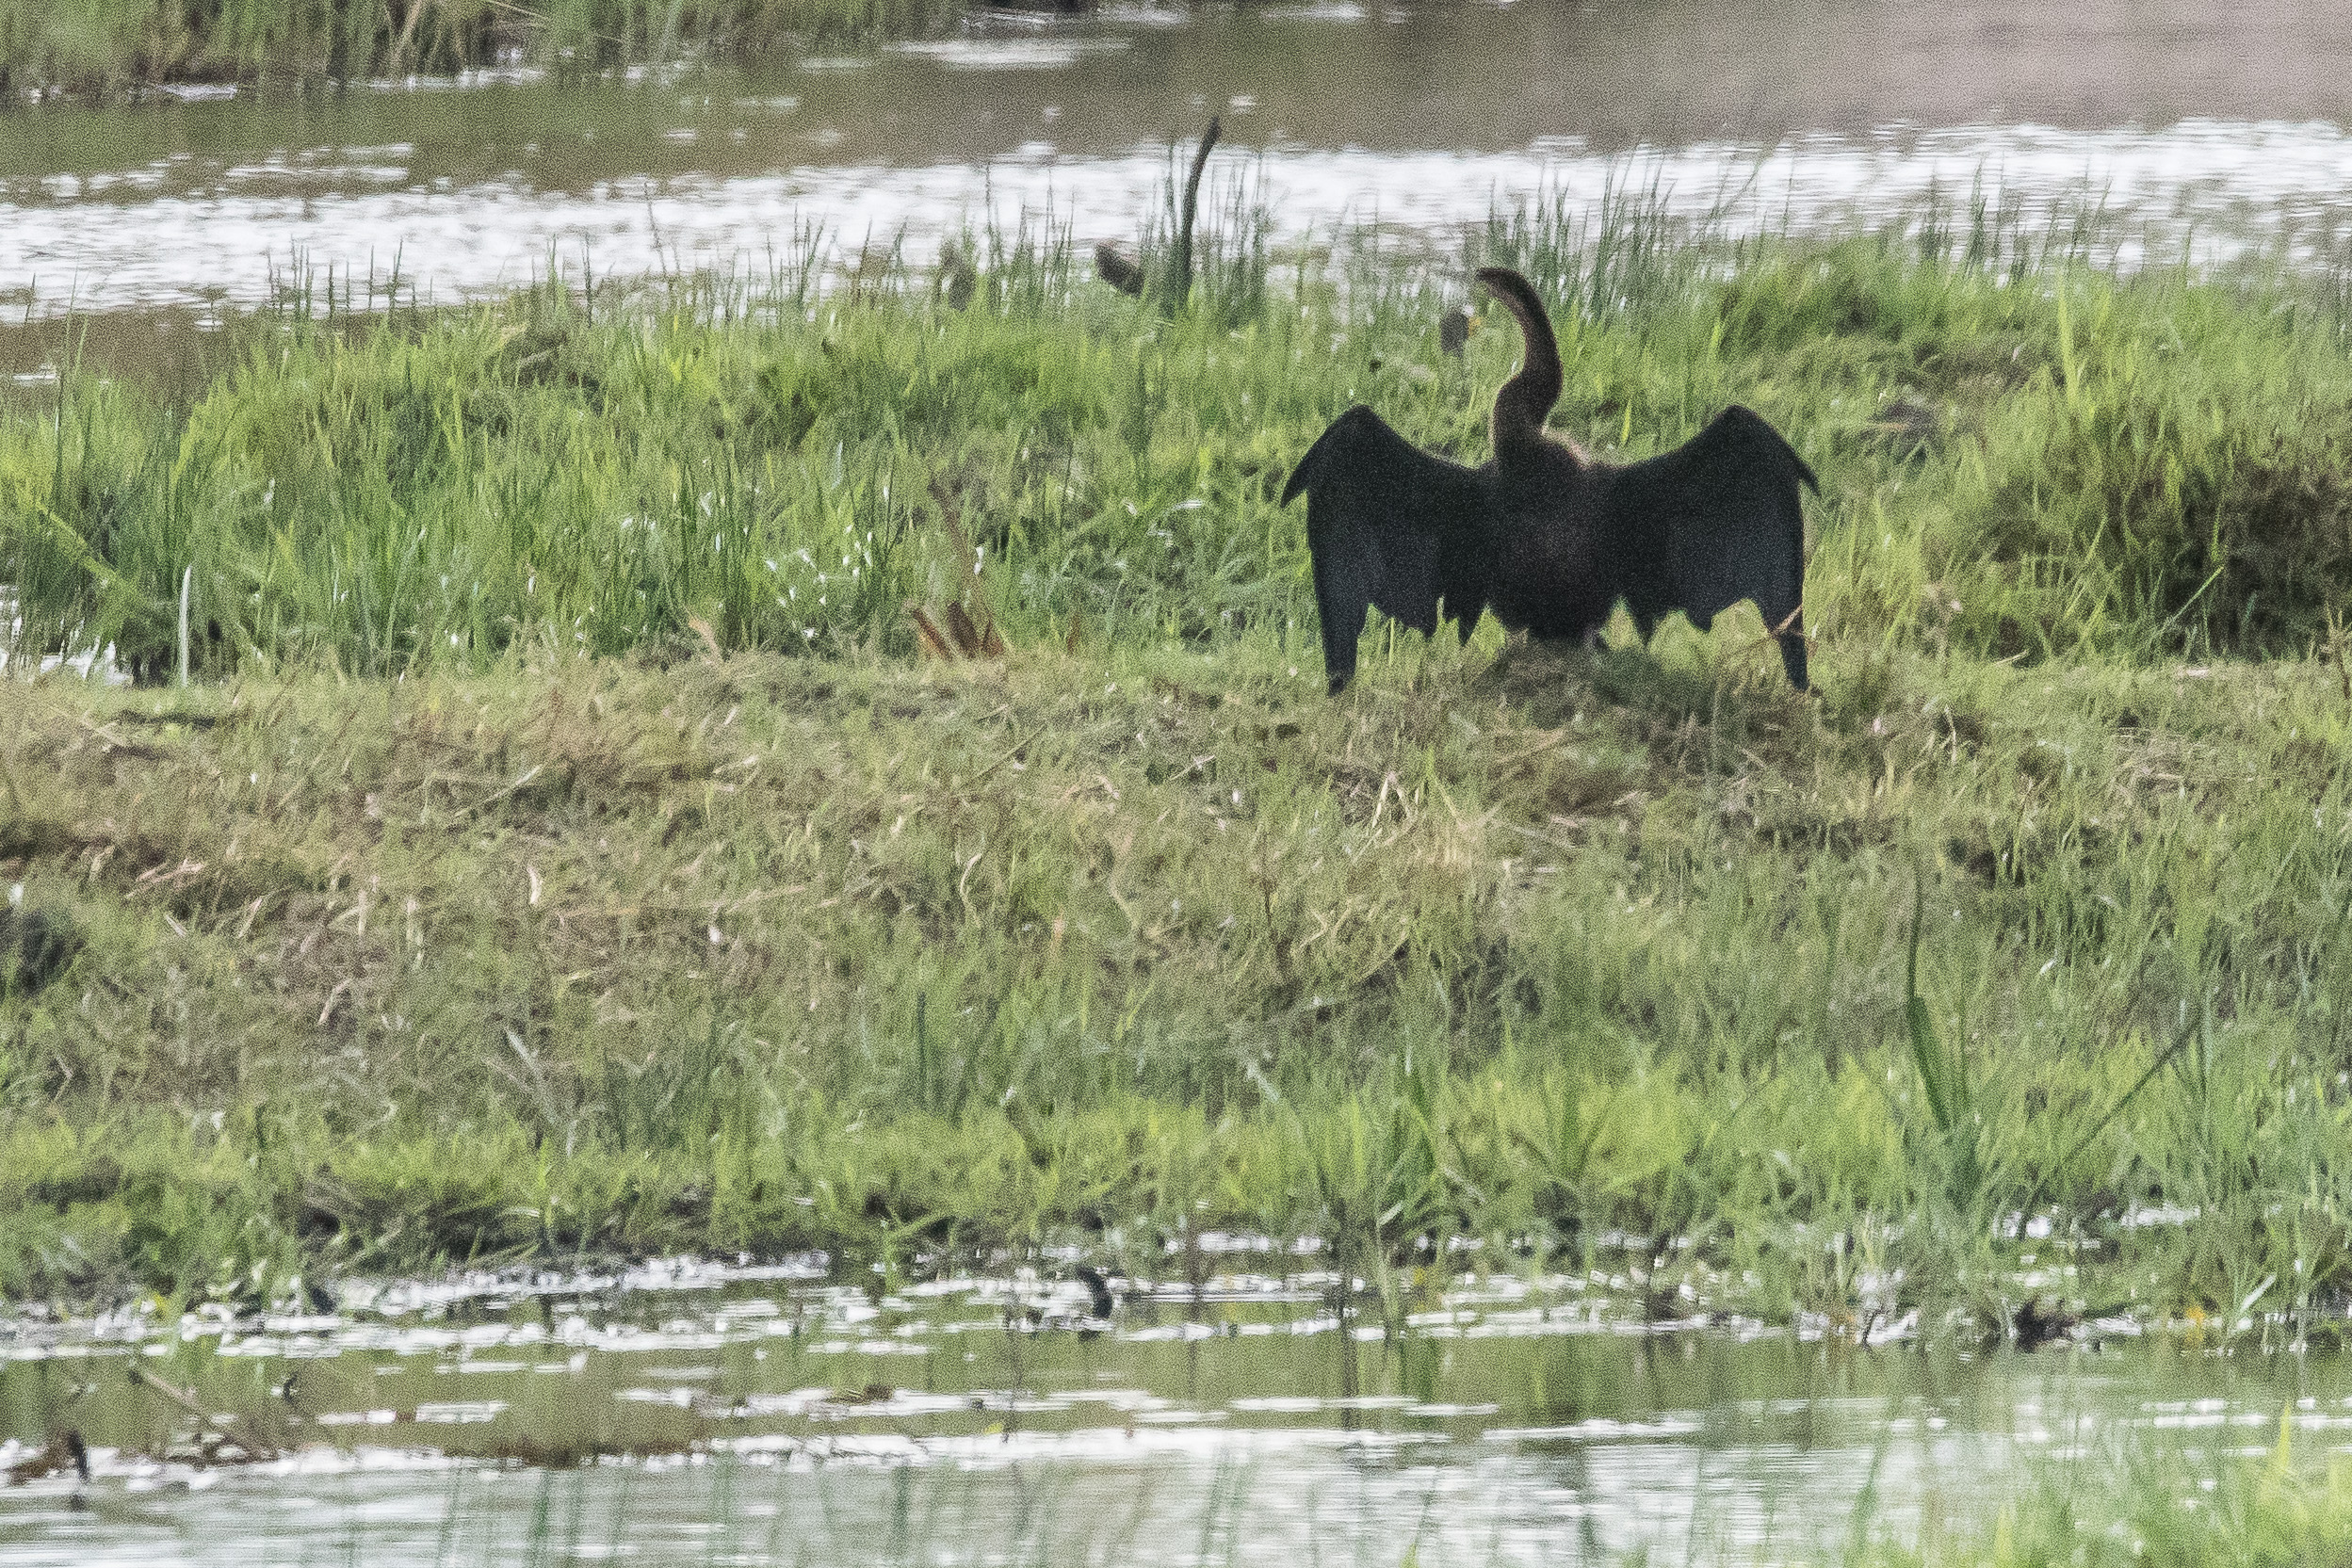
x,y
101,46
2021,465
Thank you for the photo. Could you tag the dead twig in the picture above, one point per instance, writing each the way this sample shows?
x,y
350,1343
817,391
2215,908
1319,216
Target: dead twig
x,y
487,800
2337,638
1011,753
956,634
1772,634
206,1425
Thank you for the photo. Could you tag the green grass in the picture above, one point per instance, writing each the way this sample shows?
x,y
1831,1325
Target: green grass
x,y
2028,458
93,47
561,850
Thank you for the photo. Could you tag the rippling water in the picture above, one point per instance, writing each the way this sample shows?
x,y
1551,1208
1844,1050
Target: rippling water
x,y
1761,112
769,1415
189,243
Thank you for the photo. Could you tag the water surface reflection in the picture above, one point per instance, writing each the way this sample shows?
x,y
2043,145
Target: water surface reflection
x,y
1814,115
771,1416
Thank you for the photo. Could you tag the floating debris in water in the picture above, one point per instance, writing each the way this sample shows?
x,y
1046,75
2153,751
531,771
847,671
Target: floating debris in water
x,y
64,1451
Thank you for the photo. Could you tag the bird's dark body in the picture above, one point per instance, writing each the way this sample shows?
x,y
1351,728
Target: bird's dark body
x,y
1542,535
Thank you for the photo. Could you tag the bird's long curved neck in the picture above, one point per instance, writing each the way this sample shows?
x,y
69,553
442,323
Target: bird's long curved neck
x,y
1526,397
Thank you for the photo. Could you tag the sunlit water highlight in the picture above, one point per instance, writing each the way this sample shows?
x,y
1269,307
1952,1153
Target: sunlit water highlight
x,y
1827,116
90,247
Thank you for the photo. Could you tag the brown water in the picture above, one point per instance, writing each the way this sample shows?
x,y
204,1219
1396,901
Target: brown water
x,y
761,1415
2181,115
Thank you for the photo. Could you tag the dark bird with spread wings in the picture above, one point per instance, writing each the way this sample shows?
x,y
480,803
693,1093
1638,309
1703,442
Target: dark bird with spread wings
x,y
1543,535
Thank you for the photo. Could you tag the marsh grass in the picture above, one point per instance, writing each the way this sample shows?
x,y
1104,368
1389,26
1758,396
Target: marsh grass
x,y
559,849
2030,456
90,47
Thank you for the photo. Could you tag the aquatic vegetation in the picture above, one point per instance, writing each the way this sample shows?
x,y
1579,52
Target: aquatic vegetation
x,y
93,46
769,1416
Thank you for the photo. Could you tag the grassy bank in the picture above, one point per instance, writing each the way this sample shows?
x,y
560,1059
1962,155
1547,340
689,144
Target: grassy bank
x,y
561,848
95,47
2027,457
771,952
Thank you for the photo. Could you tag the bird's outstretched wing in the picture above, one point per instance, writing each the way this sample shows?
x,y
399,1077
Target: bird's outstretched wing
x,y
1717,520
1389,525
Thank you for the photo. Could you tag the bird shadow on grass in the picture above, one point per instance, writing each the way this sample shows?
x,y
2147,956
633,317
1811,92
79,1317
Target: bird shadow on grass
x,y
1555,681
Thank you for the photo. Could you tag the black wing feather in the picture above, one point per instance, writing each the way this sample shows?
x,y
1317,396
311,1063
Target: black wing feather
x,y
1717,520
1389,525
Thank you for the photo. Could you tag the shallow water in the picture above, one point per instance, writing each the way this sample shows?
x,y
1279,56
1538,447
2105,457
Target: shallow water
x,y
2181,116
770,1415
